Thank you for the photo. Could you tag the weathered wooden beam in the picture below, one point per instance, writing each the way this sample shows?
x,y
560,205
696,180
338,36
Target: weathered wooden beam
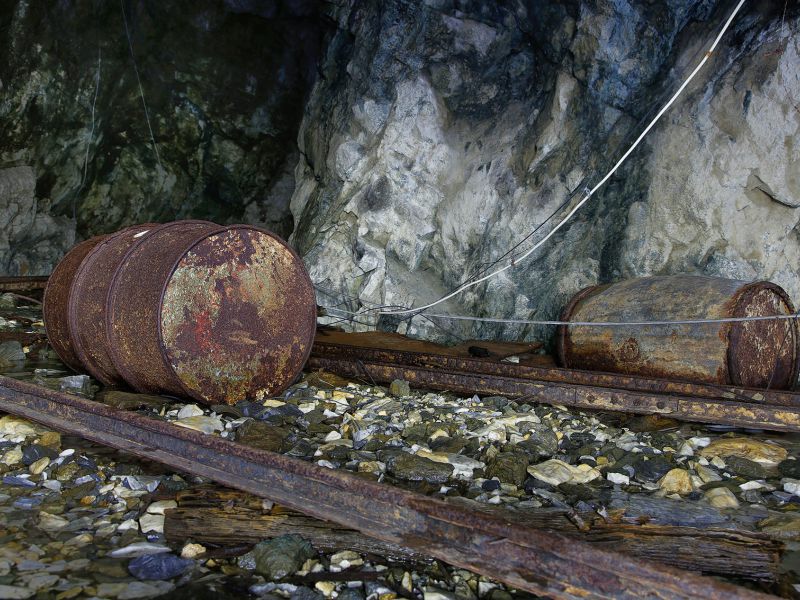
x,y
543,563
228,517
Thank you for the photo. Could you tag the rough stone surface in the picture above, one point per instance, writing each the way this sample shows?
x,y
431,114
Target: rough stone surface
x,y
281,556
31,240
440,136
224,84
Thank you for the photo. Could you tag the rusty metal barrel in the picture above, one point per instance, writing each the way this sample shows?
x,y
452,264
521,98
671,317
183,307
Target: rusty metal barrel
x,y
755,354
87,299
190,308
56,296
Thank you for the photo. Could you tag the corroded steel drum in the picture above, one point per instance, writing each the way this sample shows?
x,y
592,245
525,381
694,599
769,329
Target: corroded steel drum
x,y
56,295
188,308
86,304
214,313
753,354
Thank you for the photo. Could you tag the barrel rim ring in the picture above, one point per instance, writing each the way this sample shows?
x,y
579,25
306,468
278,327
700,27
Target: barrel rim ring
x,y
736,312
276,237
121,365
65,351
87,362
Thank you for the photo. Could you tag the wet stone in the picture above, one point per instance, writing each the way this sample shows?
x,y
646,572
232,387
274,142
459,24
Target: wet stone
x,y
131,401
34,452
652,469
281,415
749,448
450,445
410,467
490,485
542,443
18,481
261,435
676,481
749,469
281,556
159,566
305,593
400,388
509,467
789,468
11,352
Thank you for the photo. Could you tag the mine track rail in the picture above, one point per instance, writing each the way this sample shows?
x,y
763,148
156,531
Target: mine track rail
x,y
23,284
717,404
525,558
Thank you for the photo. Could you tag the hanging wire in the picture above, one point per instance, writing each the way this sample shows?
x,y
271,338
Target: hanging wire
x,y
139,81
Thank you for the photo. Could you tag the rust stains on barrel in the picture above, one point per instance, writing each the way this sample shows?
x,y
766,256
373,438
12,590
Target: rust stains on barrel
x,y
87,301
753,354
238,316
214,313
56,296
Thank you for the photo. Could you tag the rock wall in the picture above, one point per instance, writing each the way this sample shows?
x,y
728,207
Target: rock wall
x,y
224,85
441,133
28,237
437,136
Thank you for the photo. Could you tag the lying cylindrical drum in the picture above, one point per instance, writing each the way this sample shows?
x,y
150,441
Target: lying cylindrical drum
x,y
752,353
86,305
55,304
195,309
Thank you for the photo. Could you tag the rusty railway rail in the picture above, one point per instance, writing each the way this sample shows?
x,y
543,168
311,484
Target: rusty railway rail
x,y
354,352
23,284
543,563
687,408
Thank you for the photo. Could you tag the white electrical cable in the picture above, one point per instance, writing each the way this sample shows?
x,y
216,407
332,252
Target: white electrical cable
x,y
591,192
598,323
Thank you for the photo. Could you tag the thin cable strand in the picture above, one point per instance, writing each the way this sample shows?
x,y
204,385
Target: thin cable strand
x,y
600,323
139,81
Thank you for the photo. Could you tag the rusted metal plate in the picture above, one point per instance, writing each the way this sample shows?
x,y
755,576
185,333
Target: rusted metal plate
x,y
341,345
542,563
134,301
696,352
56,297
87,302
724,412
238,316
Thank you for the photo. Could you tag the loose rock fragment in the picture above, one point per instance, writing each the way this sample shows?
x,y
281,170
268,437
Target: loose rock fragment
x,y
556,472
676,481
281,556
159,566
749,448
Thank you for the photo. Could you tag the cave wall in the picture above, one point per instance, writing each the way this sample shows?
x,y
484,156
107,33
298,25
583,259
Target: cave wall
x,y
442,132
224,85
405,145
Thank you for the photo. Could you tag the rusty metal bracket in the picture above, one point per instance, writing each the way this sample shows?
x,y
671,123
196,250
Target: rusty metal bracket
x,y
527,559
